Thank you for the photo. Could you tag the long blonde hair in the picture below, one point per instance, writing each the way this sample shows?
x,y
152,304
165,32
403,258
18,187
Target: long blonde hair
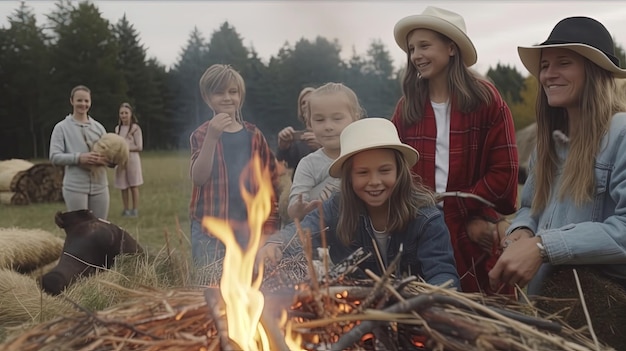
x,y
407,196
467,90
217,78
599,101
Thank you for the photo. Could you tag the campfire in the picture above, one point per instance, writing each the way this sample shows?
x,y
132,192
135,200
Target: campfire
x,y
296,306
240,290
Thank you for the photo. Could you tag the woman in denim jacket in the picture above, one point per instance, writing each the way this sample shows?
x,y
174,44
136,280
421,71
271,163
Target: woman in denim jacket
x,y
379,209
573,209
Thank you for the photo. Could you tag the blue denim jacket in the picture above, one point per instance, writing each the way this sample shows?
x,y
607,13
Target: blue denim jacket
x,y
427,249
595,232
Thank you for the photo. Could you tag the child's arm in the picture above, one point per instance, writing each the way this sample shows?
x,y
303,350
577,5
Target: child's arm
x,y
299,195
137,136
202,165
435,253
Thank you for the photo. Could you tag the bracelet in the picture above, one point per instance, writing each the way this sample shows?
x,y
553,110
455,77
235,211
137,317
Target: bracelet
x,y
543,253
522,227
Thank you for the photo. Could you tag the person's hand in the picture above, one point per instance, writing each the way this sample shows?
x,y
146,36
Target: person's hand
x,y
301,208
517,234
310,139
483,233
270,253
518,264
285,138
217,125
92,159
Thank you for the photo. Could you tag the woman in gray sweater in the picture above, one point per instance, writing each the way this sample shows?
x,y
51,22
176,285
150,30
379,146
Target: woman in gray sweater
x,y
85,186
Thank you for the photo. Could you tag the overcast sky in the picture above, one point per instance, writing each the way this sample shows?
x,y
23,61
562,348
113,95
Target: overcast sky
x,y
495,27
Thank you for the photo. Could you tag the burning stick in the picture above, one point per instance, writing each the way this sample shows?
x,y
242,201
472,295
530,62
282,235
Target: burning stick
x,y
214,298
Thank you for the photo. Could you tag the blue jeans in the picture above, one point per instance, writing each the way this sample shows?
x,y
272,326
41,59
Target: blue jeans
x,y
205,249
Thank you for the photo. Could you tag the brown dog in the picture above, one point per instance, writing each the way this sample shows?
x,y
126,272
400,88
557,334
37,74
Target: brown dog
x,y
90,243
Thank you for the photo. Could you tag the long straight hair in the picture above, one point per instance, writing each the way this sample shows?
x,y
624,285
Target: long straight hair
x,y
407,196
599,101
467,90
133,118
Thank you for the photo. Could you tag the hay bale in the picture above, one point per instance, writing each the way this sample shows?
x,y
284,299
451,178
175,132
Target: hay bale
x,y
13,198
25,250
6,177
21,301
15,164
43,182
605,300
27,304
9,169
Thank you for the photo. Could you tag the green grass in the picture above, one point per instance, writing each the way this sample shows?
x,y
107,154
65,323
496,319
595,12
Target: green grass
x,y
164,200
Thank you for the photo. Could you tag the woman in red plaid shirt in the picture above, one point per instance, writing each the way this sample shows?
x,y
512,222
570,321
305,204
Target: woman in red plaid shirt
x,y
464,132
221,150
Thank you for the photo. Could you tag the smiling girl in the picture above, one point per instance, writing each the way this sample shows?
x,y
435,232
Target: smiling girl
x,y
129,177
464,131
379,208
221,150
70,146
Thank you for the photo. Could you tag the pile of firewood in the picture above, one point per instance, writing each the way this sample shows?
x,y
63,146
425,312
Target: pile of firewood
x,y
23,183
328,313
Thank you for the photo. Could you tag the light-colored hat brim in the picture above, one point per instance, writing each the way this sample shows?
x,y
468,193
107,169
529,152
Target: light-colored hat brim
x,y
410,154
410,23
531,57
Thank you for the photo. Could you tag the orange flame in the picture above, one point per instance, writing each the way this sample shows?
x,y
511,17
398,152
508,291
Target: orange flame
x,y
242,297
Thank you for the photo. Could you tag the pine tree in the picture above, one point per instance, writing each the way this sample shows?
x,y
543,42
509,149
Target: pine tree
x,y
23,71
86,52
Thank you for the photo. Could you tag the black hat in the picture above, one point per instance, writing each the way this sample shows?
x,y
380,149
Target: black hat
x,y
583,35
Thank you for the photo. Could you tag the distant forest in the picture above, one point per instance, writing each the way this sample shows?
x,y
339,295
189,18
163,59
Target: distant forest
x,y
40,63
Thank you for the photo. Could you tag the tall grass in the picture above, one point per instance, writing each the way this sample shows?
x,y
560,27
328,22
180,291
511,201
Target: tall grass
x,y
163,207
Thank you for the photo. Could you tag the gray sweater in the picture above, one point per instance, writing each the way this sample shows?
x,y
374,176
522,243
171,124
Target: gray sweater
x,y
69,139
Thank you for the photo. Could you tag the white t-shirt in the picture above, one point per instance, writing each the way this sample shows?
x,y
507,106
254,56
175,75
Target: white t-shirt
x,y
442,159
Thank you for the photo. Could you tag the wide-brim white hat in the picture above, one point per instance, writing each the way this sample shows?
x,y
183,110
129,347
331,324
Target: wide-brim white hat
x,y
366,134
448,23
582,35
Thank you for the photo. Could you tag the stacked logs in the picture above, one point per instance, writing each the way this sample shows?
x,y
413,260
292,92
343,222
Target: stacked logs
x,y
23,183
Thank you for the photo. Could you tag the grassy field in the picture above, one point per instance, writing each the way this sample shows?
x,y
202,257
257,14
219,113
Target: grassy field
x,y
164,200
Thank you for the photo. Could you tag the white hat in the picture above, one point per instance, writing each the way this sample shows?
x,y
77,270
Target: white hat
x,y
442,21
370,133
583,35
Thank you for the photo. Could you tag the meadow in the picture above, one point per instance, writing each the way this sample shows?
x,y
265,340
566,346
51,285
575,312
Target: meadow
x,y
163,207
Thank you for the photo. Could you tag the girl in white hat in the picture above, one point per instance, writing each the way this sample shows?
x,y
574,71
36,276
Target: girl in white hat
x,y
380,208
464,132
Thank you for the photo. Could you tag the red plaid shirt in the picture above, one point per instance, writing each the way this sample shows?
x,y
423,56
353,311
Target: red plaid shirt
x,y
214,194
482,161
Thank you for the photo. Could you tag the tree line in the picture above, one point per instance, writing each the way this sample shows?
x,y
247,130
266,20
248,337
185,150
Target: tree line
x,y
40,63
